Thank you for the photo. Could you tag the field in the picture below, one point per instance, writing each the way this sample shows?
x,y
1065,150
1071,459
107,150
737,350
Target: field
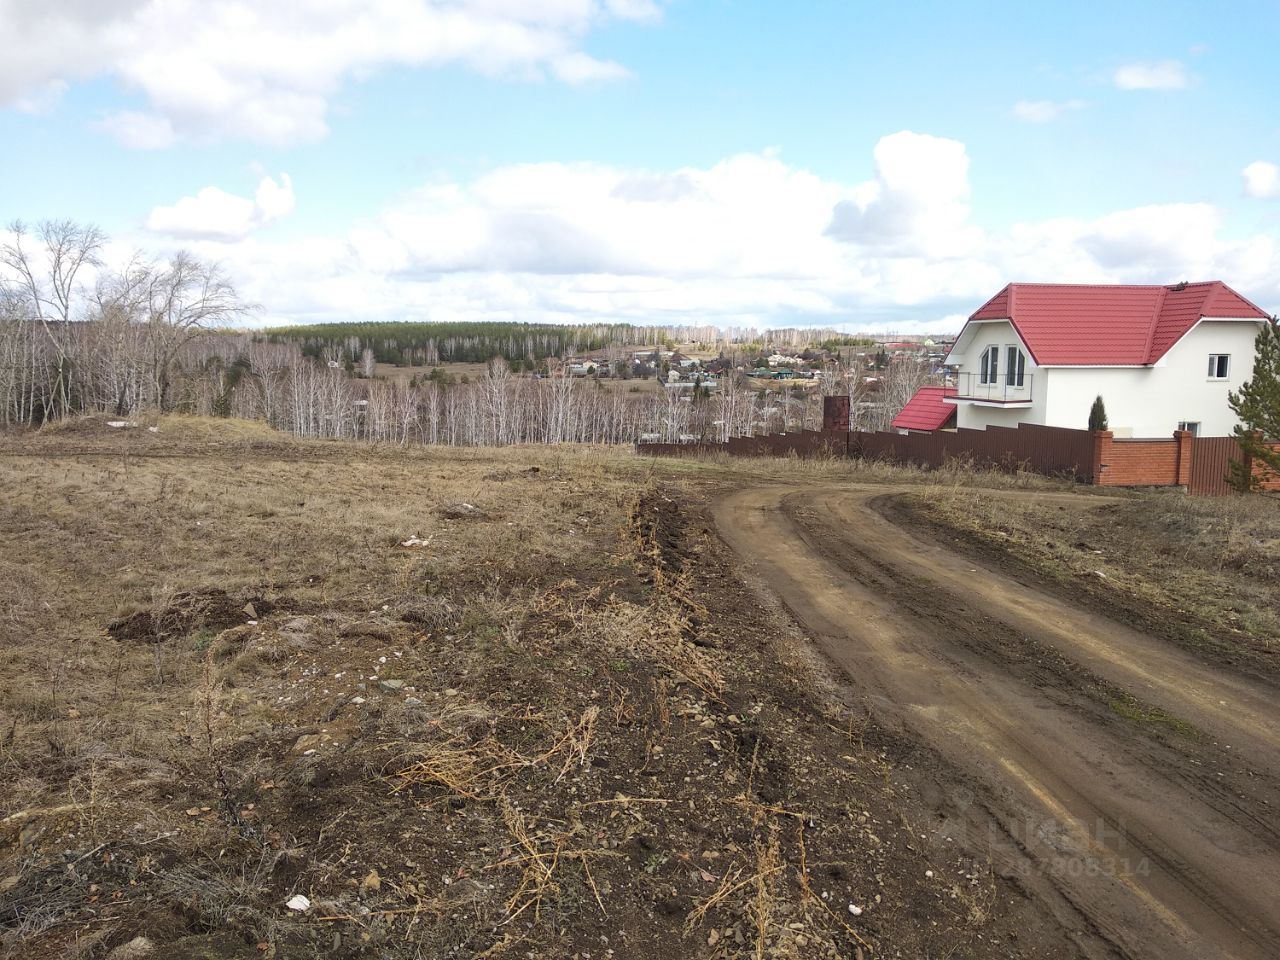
x,y
472,371
467,703
553,702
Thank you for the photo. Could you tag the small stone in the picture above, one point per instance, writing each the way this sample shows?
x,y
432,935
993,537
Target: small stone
x,y
855,909
929,874
251,611
391,684
412,702
357,700
298,902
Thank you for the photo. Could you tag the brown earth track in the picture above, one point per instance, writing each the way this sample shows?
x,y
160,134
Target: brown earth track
x,y
1146,839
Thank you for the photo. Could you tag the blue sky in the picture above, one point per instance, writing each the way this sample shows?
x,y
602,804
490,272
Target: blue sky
x,y
845,164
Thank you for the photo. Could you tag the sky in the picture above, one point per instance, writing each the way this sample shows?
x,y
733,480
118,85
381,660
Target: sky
x,y
876,167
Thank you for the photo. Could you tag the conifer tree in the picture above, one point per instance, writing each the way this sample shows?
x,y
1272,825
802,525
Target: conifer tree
x,y
1098,415
1258,407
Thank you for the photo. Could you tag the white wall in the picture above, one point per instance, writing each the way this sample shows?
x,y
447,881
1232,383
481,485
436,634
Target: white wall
x,y
1140,401
968,352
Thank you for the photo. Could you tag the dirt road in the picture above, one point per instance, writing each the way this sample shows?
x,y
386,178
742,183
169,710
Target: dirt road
x,y
1131,788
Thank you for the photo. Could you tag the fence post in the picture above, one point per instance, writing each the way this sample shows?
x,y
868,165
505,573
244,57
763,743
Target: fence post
x,y
1101,456
1186,450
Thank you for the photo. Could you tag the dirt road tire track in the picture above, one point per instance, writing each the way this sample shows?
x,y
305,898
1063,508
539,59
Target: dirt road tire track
x,y
1174,837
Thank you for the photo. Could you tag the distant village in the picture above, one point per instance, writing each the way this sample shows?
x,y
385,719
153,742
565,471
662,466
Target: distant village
x,y
697,371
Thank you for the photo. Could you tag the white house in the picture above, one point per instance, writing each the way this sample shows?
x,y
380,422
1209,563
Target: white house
x,y
1161,357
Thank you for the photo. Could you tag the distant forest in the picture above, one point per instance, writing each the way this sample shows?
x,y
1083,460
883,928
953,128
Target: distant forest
x,y
520,344
427,344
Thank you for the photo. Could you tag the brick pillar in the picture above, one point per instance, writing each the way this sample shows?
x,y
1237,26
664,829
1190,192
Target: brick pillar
x,y
1186,450
835,414
1101,457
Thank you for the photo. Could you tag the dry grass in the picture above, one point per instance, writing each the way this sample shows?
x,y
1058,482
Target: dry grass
x,y
1201,568
552,722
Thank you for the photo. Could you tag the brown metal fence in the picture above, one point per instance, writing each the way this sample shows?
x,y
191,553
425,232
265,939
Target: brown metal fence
x,y
1054,451
1210,461
1200,464
1049,450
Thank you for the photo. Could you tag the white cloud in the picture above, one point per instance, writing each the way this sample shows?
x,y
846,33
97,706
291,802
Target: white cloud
x,y
749,241
1044,111
42,99
216,69
1262,180
215,214
918,203
578,67
141,131
1152,75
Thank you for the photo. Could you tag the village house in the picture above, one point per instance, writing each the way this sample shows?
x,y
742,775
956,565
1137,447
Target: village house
x,y
782,360
1163,358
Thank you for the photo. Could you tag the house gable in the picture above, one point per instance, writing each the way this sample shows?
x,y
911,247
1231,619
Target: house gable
x,y
977,335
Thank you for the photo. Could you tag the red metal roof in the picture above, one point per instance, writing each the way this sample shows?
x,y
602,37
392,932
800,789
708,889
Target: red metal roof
x,y
926,410
1110,325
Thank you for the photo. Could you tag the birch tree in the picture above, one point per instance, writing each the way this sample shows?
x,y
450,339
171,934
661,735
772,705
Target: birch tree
x,y
48,267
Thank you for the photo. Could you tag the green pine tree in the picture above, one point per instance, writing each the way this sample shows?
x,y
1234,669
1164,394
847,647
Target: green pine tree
x,y
1098,415
1258,407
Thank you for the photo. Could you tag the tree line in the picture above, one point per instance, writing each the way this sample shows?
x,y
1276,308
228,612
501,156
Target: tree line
x,y
523,345
79,336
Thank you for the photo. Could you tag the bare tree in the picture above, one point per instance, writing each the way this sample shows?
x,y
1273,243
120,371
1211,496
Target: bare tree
x,y
46,269
183,298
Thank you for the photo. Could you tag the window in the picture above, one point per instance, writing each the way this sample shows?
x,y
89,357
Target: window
x,y
1191,426
1016,371
990,371
1219,365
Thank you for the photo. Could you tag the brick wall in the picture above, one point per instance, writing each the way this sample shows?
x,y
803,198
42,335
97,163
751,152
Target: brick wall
x,y
1142,463
1269,479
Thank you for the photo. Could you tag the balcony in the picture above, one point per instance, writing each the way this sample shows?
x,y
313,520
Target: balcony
x,y
1005,391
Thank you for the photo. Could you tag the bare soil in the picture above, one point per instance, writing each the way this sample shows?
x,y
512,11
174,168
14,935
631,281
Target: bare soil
x,y
1128,784
241,669
1200,572
574,703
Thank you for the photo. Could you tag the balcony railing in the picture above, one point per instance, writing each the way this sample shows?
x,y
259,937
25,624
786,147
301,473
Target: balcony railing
x,y
1003,389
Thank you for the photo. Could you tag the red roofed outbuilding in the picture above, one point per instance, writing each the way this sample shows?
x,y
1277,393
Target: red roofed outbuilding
x,y
927,410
